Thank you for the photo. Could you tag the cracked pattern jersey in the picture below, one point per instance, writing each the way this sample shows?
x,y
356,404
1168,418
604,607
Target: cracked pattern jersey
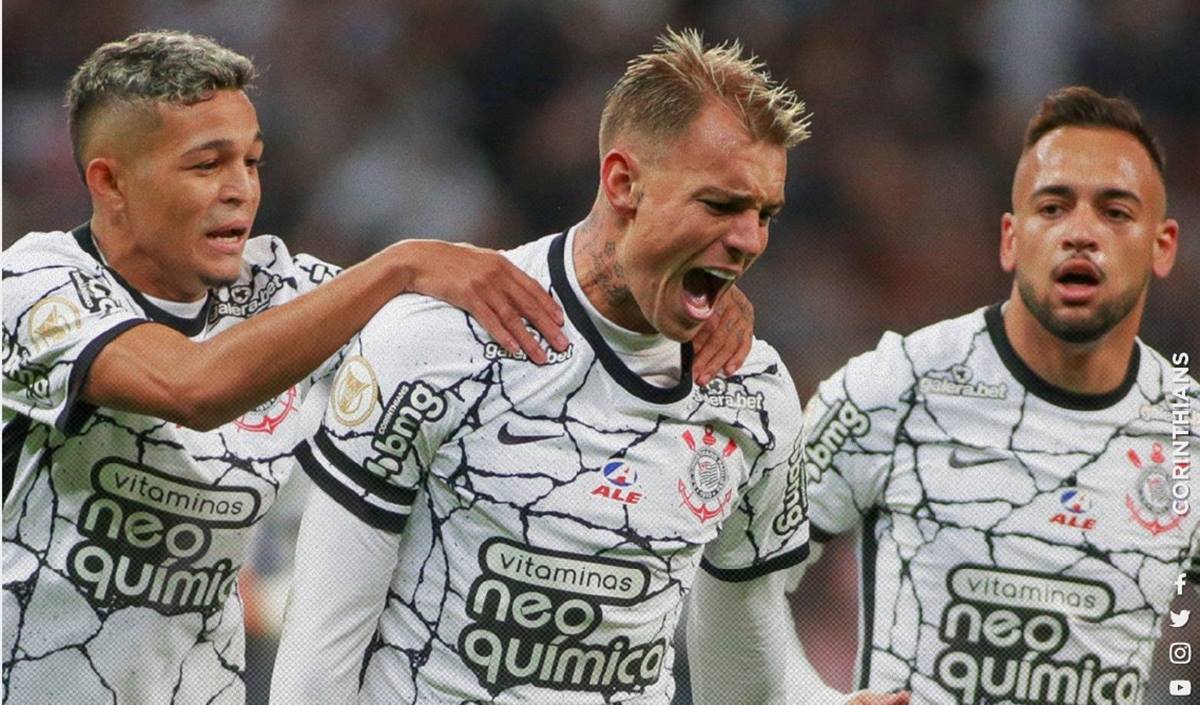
x,y
123,533
553,516
1019,543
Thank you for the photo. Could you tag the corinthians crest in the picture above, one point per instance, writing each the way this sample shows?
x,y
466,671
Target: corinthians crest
x,y
707,495
1149,501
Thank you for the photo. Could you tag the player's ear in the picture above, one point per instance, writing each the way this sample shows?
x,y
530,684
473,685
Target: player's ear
x,y
619,182
101,177
1008,258
1166,244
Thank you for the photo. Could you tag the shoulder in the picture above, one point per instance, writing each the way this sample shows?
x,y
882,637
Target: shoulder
x,y
1169,382
764,371
41,250
533,257
888,372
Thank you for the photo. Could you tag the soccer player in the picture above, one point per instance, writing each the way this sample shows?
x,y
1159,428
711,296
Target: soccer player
x,y
491,530
154,360
1023,474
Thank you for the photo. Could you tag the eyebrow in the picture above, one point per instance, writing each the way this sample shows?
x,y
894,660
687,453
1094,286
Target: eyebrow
x,y
1107,194
218,144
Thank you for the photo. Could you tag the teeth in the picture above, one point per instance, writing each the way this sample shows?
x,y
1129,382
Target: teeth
x,y
720,273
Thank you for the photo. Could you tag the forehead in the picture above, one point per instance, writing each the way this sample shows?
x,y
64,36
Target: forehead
x,y
1088,159
227,115
718,149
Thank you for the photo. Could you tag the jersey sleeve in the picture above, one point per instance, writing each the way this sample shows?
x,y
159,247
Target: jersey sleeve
x,y
768,528
850,436
60,310
393,401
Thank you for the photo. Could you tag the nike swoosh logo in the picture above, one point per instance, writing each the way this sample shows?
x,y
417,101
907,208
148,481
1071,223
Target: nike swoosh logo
x,y
512,439
958,462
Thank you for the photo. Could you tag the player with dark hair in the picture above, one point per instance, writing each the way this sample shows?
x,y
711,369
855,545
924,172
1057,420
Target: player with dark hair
x,y
154,360
1021,475
494,531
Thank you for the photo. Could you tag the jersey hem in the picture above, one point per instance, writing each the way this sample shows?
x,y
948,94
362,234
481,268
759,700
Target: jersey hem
x,y
738,575
74,411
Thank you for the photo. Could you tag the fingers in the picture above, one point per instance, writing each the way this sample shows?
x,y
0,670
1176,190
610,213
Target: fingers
x,y
535,305
737,358
514,325
710,358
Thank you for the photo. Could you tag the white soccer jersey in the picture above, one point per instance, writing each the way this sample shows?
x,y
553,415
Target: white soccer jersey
x,y
123,533
553,516
1019,542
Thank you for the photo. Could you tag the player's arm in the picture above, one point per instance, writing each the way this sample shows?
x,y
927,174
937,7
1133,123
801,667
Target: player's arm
x,y
725,339
748,654
154,370
339,587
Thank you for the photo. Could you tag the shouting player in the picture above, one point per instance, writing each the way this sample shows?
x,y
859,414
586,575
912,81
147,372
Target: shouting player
x,y
154,359
493,530
1022,474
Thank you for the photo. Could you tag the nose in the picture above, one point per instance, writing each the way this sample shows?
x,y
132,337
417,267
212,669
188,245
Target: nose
x,y
239,185
1082,233
747,235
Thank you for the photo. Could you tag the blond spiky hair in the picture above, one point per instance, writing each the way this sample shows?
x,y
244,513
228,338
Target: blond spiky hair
x,y
662,92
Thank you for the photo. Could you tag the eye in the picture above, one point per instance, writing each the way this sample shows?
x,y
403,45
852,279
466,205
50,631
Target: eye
x,y
254,162
209,165
1051,210
1119,214
765,218
719,207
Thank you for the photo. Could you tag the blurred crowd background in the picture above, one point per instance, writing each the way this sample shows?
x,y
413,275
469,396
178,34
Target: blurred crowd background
x,y
476,120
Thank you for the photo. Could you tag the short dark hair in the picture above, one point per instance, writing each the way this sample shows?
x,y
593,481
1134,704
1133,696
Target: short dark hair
x,y
160,66
1081,106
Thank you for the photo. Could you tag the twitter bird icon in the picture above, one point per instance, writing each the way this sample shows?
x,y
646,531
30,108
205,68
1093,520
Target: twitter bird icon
x,y
1180,618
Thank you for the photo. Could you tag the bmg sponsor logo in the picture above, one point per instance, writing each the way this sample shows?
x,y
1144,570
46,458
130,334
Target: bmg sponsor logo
x,y
534,607
145,531
1002,628
830,434
413,405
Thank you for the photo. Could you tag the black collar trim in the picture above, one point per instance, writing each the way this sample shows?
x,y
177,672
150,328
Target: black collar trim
x,y
187,326
627,378
1041,388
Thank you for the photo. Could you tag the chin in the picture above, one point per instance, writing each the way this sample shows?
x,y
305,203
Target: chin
x,y
216,280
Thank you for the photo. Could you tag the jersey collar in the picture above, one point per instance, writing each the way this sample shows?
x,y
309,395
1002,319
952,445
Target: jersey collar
x,y
1041,388
627,378
187,326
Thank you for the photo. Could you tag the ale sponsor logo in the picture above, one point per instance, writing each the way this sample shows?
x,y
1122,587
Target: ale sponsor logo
x,y
1075,504
619,481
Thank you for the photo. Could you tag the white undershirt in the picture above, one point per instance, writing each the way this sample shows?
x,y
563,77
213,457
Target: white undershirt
x,y
652,356
181,309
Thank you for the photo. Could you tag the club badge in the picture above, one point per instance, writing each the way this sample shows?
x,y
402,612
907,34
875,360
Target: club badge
x,y
707,497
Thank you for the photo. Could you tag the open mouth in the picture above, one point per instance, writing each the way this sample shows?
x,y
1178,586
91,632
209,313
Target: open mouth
x,y
1077,279
228,239
701,288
